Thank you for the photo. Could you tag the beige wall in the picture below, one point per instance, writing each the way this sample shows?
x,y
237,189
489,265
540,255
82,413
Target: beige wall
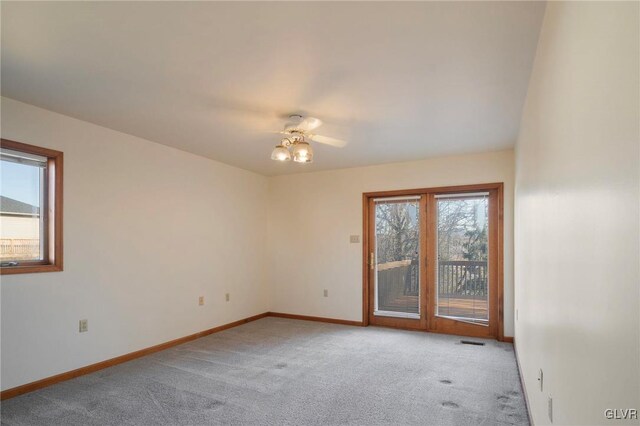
x,y
147,229
577,209
311,217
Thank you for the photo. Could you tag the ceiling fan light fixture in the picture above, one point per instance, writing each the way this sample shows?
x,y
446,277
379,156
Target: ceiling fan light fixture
x,y
280,153
294,145
302,152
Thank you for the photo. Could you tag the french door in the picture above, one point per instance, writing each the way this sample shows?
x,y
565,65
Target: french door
x,y
433,260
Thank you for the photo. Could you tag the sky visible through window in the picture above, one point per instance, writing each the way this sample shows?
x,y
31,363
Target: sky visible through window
x,y
20,182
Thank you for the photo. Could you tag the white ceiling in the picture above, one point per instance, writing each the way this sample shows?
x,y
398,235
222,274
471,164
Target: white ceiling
x,y
399,81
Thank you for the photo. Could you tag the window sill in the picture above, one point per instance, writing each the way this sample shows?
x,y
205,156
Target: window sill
x,y
29,269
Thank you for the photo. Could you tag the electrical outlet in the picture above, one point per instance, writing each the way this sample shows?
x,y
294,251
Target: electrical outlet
x,y
83,326
550,408
227,297
540,378
326,293
354,238
201,300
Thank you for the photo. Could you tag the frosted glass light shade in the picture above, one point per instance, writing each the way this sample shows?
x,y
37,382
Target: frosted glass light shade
x,y
302,153
280,153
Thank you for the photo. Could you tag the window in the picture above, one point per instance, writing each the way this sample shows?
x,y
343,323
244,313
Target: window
x,y
30,208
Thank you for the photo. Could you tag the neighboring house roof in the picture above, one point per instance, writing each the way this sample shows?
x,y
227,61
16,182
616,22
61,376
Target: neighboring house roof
x,y
9,206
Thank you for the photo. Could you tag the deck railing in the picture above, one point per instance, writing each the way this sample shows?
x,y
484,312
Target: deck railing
x,y
399,284
455,277
462,278
19,248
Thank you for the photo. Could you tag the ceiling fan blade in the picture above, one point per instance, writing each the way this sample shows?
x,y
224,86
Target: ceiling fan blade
x,y
328,141
309,123
302,124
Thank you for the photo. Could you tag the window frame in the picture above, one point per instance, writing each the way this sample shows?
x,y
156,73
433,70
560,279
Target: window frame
x,y
51,212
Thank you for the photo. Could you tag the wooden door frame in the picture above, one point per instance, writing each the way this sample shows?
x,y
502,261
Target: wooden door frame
x,y
367,220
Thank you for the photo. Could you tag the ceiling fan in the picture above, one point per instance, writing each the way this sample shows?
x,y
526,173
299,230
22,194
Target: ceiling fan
x,y
295,146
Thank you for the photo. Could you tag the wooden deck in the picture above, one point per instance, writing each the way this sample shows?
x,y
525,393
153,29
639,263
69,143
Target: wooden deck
x,y
465,307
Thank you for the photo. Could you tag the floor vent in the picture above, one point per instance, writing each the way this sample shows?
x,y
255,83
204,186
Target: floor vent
x,y
471,342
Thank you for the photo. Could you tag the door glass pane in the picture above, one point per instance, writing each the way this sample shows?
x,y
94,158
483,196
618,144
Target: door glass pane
x,y
397,257
463,249
21,198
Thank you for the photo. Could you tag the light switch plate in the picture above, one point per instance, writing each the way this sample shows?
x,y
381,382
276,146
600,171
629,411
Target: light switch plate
x,y
201,300
83,326
354,238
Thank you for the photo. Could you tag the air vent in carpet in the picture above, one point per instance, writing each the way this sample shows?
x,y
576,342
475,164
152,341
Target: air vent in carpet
x,y
471,342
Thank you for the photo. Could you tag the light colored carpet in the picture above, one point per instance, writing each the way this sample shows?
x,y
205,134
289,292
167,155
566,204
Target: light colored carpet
x,y
279,371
